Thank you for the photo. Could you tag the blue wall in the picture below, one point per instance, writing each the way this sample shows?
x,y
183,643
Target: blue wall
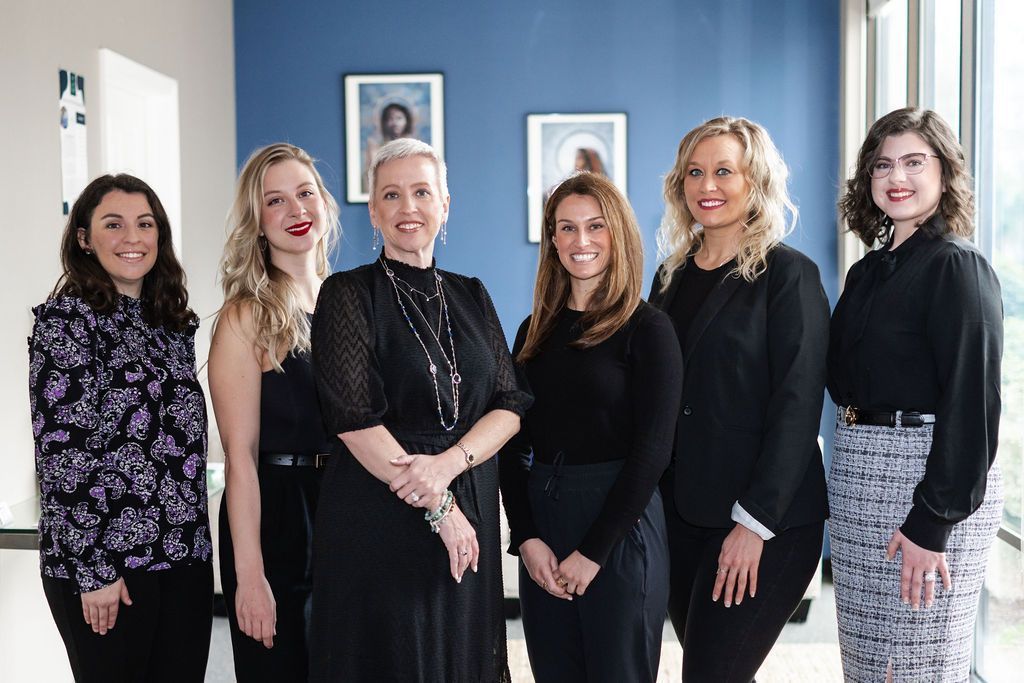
x,y
669,64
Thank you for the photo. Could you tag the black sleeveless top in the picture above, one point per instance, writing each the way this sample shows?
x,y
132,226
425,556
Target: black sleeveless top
x,y
290,419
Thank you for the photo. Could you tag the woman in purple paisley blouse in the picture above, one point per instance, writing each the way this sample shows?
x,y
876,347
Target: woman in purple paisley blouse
x,y
120,424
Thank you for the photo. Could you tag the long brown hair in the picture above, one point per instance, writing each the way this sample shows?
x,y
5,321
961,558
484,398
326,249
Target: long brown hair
x,y
858,208
770,214
618,295
164,297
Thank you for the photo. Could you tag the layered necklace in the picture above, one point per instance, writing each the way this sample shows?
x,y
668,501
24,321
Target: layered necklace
x,y
442,314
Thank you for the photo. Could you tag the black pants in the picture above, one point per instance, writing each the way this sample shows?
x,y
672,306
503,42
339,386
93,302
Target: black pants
x,y
729,645
612,632
164,635
288,498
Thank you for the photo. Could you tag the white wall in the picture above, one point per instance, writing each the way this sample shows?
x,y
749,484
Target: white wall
x,y
189,40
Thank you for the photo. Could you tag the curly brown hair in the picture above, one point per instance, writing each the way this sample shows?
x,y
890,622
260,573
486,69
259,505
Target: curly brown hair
x,y
858,209
164,297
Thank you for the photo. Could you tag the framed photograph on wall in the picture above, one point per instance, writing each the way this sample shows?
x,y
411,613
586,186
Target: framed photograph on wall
x,y
383,107
560,144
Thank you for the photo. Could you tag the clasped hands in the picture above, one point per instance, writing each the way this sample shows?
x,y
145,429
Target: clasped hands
x,y
421,484
572,576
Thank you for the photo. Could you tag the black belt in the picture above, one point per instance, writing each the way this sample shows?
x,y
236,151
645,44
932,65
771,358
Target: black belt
x,y
294,459
882,418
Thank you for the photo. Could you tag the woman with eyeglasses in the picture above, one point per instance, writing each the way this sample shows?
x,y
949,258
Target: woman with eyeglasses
x,y
914,366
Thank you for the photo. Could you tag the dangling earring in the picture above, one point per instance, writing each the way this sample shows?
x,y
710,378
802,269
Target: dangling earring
x,y
444,233
376,237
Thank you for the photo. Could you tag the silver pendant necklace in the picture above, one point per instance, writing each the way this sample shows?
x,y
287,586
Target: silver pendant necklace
x,y
453,367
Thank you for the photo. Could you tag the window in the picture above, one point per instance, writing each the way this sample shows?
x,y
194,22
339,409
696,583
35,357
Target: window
x,y
941,58
1000,177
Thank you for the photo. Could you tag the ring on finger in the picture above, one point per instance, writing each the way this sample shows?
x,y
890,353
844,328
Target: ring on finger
x,y
414,497
463,552
722,570
561,581
929,577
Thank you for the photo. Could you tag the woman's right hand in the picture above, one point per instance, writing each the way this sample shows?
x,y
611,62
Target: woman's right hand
x,y
459,537
99,607
256,610
541,564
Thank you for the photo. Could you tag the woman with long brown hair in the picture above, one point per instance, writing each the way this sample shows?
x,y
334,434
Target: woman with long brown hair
x,y
120,424
586,517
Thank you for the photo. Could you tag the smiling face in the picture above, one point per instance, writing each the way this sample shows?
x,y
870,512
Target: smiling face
x,y
908,200
715,187
292,213
583,242
123,235
408,208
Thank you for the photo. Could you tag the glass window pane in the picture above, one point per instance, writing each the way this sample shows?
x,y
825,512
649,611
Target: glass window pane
x,y
940,59
1001,617
1002,213
891,57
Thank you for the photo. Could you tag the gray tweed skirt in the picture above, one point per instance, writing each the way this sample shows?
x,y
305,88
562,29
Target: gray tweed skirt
x,y
870,489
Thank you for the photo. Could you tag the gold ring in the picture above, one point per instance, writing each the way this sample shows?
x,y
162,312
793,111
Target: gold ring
x,y
561,581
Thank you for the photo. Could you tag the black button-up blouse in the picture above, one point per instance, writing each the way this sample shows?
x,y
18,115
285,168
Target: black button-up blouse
x,y
120,426
920,328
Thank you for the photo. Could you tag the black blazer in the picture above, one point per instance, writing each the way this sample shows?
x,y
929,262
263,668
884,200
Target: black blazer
x,y
753,387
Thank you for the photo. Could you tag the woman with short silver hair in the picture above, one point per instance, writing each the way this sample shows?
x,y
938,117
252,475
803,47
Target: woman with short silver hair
x,y
416,380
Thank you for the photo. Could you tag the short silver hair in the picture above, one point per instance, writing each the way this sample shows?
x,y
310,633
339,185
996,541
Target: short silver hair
x,y
403,148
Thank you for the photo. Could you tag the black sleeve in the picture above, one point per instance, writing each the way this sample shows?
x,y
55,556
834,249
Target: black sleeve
x,y
344,363
66,373
965,331
514,467
797,337
656,385
508,394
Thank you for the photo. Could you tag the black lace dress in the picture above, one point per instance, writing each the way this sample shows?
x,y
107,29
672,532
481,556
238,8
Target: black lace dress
x,y
385,606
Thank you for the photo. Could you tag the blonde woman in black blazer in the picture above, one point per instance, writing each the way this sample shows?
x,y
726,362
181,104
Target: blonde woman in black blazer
x,y
745,496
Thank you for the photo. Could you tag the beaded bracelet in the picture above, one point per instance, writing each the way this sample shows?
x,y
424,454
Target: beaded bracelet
x,y
435,518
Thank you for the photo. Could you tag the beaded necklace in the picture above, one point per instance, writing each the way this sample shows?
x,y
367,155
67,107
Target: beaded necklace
x,y
453,366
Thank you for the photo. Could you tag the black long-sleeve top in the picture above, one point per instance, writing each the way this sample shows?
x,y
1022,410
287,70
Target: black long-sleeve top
x,y
920,328
618,400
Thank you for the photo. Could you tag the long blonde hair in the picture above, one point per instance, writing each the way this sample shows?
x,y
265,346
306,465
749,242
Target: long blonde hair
x,y
618,295
247,275
681,236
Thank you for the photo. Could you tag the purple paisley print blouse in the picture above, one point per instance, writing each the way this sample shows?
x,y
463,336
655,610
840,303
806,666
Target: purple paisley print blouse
x,y
119,421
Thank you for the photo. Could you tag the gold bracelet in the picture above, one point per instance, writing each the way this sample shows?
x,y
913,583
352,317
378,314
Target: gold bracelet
x,y
470,458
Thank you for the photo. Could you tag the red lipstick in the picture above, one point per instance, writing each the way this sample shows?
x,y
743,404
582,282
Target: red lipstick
x,y
299,229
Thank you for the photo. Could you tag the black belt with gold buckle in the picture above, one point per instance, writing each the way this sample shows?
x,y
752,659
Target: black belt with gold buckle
x,y
884,418
294,459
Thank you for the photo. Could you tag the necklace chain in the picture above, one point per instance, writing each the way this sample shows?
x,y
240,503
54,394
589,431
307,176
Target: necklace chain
x,y
427,297
452,363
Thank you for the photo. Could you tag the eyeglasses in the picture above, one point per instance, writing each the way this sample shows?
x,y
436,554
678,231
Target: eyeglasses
x,y
912,164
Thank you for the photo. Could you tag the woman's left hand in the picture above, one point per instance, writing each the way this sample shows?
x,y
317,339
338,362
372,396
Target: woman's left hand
x,y
575,573
917,562
424,479
737,565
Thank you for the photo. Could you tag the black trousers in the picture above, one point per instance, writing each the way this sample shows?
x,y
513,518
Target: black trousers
x,y
288,499
612,632
163,636
729,645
